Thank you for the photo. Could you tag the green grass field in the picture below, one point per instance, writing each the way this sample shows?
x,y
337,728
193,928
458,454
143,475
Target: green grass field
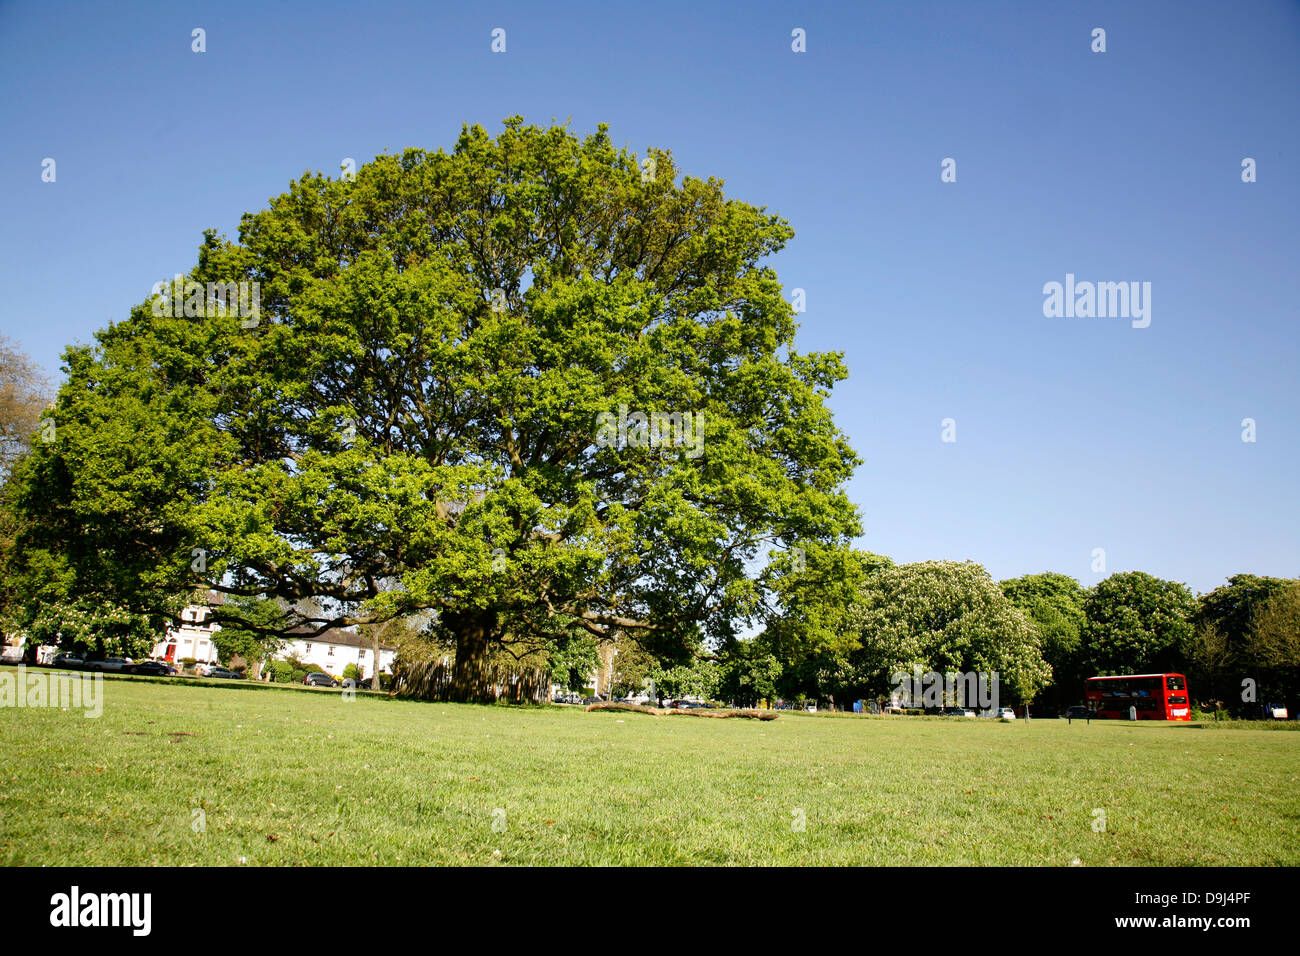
x,y
181,773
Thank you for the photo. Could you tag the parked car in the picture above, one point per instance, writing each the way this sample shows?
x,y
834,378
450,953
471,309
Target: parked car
x,y
318,679
958,712
1006,713
223,673
71,661
154,669
110,664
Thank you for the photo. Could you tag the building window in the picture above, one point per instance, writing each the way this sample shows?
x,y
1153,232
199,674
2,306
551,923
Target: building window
x,y
330,652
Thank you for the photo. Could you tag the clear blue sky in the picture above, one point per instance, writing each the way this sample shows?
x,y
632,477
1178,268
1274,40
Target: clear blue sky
x,y
1072,434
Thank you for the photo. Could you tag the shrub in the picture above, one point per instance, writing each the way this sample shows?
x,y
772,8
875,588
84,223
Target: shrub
x,y
281,672
350,671
301,669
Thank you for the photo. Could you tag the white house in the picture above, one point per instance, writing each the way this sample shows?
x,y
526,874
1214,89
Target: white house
x,y
336,649
333,651
194,637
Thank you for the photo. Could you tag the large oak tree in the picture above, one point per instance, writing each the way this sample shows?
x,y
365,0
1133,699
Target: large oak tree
x,y
409,421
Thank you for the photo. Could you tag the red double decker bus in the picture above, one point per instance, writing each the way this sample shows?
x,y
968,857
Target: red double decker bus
x,y
1154,696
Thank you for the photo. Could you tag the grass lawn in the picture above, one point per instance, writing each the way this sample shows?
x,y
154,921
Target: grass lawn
x,y
295,776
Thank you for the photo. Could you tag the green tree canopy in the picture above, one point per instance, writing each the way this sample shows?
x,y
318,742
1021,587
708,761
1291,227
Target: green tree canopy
x,y
941,616
808,625
699,678
1277,635
1245,630
24,394
424,396
1137,623
749,672
572,661
254,644
1054,602
1233,608
99,628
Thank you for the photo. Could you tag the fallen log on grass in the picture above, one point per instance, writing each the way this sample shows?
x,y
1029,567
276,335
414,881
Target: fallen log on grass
x,y
684,711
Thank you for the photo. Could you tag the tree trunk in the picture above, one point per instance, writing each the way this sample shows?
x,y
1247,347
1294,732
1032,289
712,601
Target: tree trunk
x,y
474,635
375,634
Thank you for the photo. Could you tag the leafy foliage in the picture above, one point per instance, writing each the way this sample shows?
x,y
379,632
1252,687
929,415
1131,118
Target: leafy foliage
x,y
750,672
1248,629
24,394
1054,602
571,661
810,627
282,672
251,645
101,628
410,423
941,616
700,678
1137,623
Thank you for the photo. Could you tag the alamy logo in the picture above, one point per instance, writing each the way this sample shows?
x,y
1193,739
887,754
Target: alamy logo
x,y
22,689
932,689
102,909
195,300
651,430
1102,300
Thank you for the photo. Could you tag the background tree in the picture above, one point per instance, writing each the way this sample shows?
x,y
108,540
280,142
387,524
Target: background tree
x,y
941,616
749,672
1278,628
252,644
400,632
1249,630
700,678
1226,646
1054,602
634,669
418,399
573,661
1277,647
25,393
1137,623
97,628
809,626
